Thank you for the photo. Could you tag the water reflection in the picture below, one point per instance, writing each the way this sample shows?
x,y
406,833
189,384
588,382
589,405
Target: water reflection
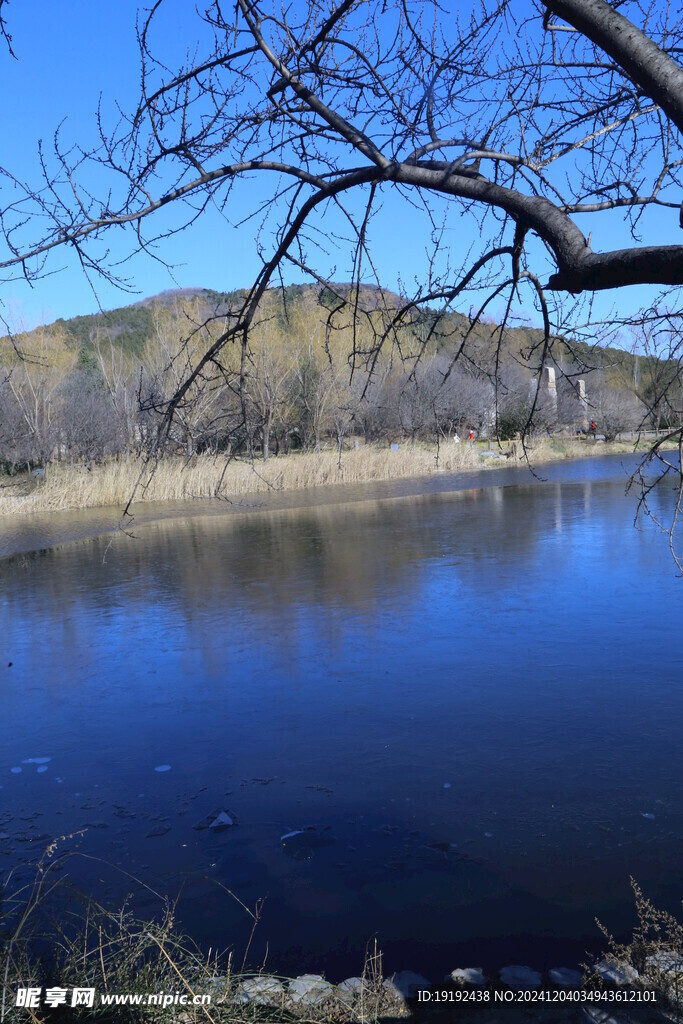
x,y
466,704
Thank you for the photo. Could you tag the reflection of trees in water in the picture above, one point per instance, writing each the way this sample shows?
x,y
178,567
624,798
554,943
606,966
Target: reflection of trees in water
x,y
363,557
211,587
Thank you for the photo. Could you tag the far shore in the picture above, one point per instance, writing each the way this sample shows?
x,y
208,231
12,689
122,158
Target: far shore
x,y
114,483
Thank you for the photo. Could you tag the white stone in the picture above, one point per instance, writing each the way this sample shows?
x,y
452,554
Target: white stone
x,y
216,984
468,976
566,977
310,989
600,1016
519,977
549,379
409,983
666,960
393,994
669,966
350,990
351,985
616,973
265,991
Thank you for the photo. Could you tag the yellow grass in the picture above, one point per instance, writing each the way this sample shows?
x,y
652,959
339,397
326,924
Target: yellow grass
x,y
177,479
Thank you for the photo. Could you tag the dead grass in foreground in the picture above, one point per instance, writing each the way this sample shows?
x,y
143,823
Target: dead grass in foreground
x,y
177,479
54,939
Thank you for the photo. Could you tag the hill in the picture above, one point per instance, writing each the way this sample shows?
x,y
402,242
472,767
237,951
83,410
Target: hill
x,y
322,363
131,327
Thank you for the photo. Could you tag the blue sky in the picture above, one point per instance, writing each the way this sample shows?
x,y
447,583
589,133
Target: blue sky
x,y
69,54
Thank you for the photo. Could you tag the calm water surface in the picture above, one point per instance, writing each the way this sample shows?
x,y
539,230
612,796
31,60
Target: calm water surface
x,y
471,699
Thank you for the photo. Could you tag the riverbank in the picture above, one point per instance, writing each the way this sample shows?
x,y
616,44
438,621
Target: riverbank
x,y
64,487
102,956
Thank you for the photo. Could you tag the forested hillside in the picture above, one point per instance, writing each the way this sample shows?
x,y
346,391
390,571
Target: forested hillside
x,y
93,387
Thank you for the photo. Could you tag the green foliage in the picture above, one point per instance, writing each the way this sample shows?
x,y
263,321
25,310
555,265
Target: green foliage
x,y
512,422
129,327
87,360
224,300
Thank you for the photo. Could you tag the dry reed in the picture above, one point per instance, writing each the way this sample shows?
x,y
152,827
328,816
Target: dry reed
x,y
176,479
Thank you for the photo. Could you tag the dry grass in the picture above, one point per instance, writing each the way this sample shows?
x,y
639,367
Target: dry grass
x,y
51,938
652,960
177,479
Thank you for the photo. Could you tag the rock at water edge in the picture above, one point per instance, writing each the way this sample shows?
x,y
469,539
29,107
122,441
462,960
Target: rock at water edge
x,y
350,990
409,983
566,977
519,977
616,973
309,989
264,991
468,976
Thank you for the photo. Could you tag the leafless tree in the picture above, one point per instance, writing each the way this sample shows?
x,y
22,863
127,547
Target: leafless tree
x,y
3,29
657,376
83,425
15,438
548,128
269,388
614,409
121,381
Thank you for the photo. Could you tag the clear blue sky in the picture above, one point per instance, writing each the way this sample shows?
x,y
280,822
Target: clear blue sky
x,y
69,54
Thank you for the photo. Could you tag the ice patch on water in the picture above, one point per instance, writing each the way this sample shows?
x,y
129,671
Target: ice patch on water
x,y
301,844
218,821
41,768
163,768
648,816
36,760
222,820
159,830
16,771
446,785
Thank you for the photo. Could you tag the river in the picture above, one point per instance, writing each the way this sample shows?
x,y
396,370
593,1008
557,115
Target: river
x,y
463,696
